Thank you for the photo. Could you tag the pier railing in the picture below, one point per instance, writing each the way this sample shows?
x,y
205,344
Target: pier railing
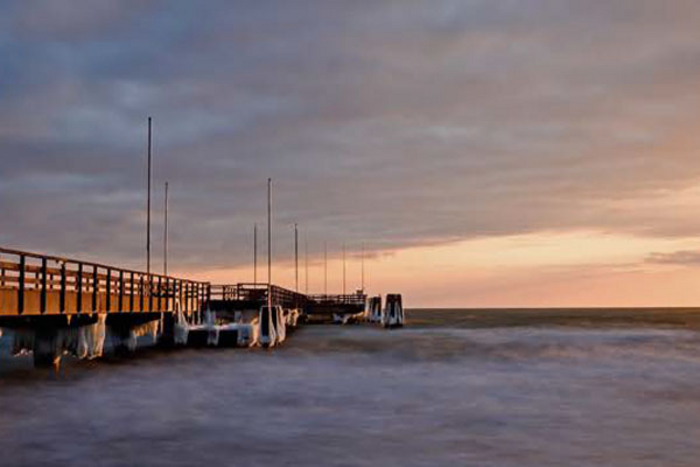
x,y
339,299
339,304
37,284
257,293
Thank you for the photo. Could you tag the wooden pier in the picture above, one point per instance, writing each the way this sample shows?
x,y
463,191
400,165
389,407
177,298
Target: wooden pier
x,y
247,296
33,285
45,294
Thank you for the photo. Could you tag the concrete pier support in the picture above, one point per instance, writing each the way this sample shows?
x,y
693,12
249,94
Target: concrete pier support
x,y
167,331
124,330
48,338
47,353
123,341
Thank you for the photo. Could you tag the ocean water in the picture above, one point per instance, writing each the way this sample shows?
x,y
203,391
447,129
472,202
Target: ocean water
x,y
436,393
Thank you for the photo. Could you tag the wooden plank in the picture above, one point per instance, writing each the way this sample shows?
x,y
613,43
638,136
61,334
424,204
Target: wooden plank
x,y
8,266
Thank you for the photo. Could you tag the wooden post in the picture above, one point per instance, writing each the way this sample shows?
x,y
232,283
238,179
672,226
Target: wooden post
x,y
197,297
62,297
167,293
160,293
20,296
95,288
79,289
150,293
131,295
121,291
108,286
141,292
42,301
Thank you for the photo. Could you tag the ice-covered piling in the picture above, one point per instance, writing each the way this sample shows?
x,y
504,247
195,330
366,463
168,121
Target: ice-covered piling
x,y
214,333
273,326
393,313
83,338
375,309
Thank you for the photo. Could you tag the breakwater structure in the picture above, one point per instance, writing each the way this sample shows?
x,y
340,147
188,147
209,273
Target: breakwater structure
x,y
57,306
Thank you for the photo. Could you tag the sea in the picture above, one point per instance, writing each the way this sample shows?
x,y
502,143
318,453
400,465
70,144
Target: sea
x,y
442,391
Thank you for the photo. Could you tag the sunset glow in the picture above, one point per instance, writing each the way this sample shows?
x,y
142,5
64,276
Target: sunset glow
x,y
584,268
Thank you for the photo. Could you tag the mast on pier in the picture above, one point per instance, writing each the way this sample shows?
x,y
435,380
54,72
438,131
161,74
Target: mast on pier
x,y
255,253
165,234
269,244
148,204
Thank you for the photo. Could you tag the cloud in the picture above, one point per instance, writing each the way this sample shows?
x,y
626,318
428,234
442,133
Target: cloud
x,y
389,123
680,258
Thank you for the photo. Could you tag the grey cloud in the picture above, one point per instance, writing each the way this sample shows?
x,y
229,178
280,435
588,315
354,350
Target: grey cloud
x,y
393,122
682,258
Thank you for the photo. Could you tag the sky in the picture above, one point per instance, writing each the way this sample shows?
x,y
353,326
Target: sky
x,y
490,153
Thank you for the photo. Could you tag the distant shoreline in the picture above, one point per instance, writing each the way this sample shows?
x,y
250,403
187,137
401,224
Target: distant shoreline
x,y
658,317
555,308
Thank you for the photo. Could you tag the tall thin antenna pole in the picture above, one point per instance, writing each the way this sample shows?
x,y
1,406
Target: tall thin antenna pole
x,y
343,268
255,254
363,267
269,244
306,265
148,215
296,258
325,268
165,234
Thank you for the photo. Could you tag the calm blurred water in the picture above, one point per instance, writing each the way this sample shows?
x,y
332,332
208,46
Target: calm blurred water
x,y
343,396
